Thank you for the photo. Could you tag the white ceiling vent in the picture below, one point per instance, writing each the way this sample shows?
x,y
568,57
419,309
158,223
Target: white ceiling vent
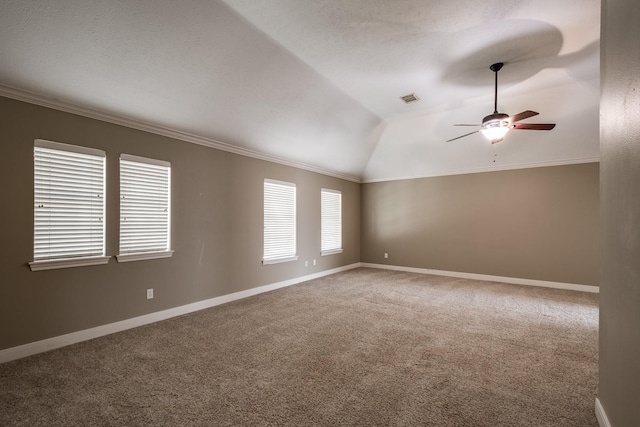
x,y
408,99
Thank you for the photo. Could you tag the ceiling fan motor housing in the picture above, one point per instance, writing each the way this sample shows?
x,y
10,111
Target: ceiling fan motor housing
x,y
496,120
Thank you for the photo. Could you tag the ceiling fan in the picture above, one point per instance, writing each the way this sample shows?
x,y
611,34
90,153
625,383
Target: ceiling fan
x,y
495,126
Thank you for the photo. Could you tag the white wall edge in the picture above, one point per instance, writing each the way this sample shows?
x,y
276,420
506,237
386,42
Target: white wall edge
x,y
511,280
67,107
601,415
36,347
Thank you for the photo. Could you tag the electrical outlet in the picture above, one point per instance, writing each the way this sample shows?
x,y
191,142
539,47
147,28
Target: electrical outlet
x,y
386,255
149,293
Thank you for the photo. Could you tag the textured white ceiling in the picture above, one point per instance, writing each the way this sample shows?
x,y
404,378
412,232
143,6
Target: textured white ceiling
x,y
318,82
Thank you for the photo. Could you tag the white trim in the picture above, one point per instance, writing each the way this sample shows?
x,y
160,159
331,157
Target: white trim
x,y
330,252
485,277
601,415
140,256
52,264
279,260
87,334
132,158
277,182
37,99
43,143
492,169
36,347
329,190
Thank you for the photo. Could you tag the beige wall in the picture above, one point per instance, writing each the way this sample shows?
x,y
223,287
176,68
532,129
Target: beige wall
x,y
217,229
534,223
620,212
539,223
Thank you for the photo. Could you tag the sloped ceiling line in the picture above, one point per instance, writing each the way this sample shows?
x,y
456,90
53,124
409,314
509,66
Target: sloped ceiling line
x,y
316,84
42,101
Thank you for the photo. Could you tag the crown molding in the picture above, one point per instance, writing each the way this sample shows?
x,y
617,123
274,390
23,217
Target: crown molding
x,y
67,107
492,169
44,101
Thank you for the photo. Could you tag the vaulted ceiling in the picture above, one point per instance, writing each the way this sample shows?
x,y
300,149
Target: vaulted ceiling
x,y
318,83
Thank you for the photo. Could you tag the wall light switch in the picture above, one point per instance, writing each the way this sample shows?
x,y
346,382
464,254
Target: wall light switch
x,y
314,262
149,293
386,255
306,263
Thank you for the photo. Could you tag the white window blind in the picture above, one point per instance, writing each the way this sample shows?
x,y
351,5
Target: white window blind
x,y
279,222
69,206
331,221
145,201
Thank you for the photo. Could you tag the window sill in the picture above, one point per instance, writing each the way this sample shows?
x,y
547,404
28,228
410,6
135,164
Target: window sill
x,y
331,252
279,260
141,256
52,264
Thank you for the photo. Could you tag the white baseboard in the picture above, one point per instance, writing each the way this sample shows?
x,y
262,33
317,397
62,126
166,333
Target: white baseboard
x,y
87,334
601,415
512,280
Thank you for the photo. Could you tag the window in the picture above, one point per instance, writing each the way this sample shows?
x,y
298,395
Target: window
x,y
331,222
144,208
69,206
279,222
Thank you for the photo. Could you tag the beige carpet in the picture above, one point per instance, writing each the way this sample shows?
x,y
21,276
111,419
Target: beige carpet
x,y
364,347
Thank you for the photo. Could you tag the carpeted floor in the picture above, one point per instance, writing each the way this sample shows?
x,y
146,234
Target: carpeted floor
x,y
363,347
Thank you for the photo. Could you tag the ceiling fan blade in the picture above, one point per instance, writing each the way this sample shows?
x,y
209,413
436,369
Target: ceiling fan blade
x,y
534,126
523,115
465,124
462,136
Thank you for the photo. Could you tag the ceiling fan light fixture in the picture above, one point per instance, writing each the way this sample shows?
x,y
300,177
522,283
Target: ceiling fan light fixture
x,y
495,126
495,131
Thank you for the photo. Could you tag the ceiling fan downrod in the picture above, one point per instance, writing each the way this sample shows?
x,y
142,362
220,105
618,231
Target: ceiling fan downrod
x,y
495,68
495,126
